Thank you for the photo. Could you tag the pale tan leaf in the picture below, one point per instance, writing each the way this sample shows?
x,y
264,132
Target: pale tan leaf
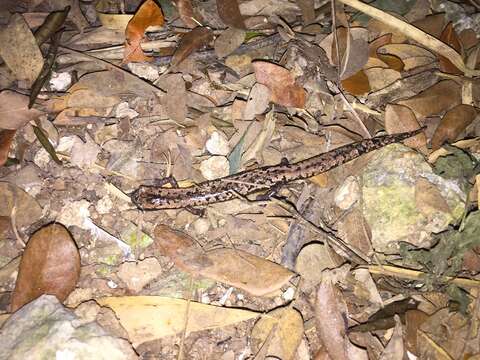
x,y
147,318
176,98
50,265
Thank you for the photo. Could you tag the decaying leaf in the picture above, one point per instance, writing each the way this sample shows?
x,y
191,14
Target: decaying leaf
x,y
176,99
19,50
450,37
148,14
6,138
245,271
50,265
147,318
229,12
352,50
186,12
281,83
395,349
331,316
453,124
357,84
16,202
280,332
435,100
191,42
399,118
228,41
14,111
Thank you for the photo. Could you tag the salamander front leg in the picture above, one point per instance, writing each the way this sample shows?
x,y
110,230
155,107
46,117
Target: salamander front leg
x,y
166,180
272,192
195,211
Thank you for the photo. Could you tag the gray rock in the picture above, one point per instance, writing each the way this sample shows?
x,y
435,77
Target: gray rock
x,y
45,329
403,200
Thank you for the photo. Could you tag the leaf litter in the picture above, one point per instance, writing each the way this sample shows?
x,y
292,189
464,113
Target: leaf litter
x,y
378,258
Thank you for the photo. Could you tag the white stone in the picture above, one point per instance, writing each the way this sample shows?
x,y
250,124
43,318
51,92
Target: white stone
x,y
214,167
217,144
348,193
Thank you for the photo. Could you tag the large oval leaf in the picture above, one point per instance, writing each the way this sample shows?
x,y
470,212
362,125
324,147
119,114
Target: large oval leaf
x,y
50,265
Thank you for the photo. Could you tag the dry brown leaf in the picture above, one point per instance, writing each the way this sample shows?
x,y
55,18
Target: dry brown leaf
x,y
435,100
180,248
431,24
413,320
50,265
352,50
148,14
234,267
428,198
14,111
27,210
412,56
245,271
147,318
450,37
19,50
380,78
330,315
395,349
229,12
191,42
453,124
308,10
186,13
228,41
176,98
258,101
414,33
398,119
281,83
357,84
394,62
280,332
378,42
6,138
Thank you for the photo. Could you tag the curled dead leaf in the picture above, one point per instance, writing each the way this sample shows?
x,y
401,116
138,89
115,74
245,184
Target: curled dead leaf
x,y
148,14
50,265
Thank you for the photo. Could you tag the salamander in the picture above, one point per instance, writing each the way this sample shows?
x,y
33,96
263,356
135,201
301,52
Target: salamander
x,y
266,178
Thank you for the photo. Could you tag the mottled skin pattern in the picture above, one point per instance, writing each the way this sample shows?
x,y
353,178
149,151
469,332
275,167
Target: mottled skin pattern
x,y
260,179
